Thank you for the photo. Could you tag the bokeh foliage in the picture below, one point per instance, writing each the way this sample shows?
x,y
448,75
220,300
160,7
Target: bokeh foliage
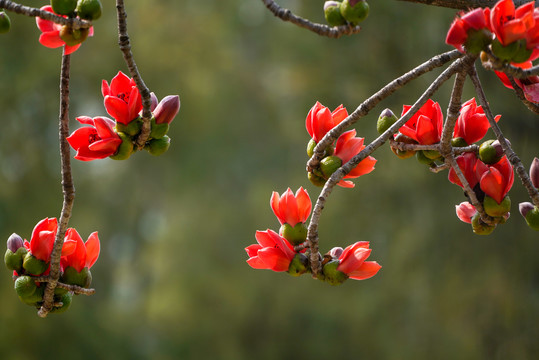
x,y
172,281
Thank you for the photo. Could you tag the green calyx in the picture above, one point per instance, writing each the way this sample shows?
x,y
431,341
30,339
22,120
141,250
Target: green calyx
x,y
432,154
310,147
458,142
477,41
332,13
64,7
65,299
5,23
331,275
423,159
295,235
479,227
33,265
132,129
158,147
492,208
72,36
89,9
28,291
329,165
406,153
532,218
356,13
505,53
158,130
523,54
72,277
488,153
299,265
125,149
316,180
14,260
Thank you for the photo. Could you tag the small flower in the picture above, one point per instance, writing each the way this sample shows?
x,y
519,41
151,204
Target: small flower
x,y
272,252
465,211
122,98
425,126
495,180
42,240
465,31
320,120
50,36
96,141
353,264
346,148
511,25
291,209
472,123
167,109
84,254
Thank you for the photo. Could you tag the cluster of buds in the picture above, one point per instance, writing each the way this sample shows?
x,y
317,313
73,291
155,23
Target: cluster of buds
x,y
529,211
276,251
512,34
55,35
350,12
31,260
319,121
116,138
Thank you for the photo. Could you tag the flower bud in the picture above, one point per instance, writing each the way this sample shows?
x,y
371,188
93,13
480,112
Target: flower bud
x,y
89,9
336,252
458,142
167,109
534,172
479,227
28,291
125,149
385,120
154,101
63,7
316,180
5,23
299,265
72,277
329,165
158,130
295,235
492,208
14,242
66,302
407,140
531,214
33,265
432,154
420,156
354,11
72,36
332,13
158,147
332,275
489,152
310,147
14,260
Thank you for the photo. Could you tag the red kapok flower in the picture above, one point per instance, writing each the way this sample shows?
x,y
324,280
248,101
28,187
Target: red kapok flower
x,y
459,31
346,148
495,180
511,25
465,211
472,123
467,163
96,141
50,36
122,98
320,120
425,126
42,240
352,261
84,254
291,209
529,85
273,252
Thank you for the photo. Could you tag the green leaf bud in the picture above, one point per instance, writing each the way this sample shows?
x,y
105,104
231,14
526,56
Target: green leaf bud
x,y
64,7
5,23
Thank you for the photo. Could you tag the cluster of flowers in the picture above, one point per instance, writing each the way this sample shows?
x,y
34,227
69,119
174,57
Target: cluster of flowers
x,y
55,35
275,251
319,121
512,34
31,259
105,137
346,12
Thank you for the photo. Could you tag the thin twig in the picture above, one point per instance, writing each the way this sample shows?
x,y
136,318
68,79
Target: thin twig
x,y
73,288
321,29
74,23
463,4
453,111
520,94
125,47
68,189
371,102
312,233
511,155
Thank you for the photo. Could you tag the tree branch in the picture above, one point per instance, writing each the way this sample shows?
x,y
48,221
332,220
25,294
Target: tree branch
x,y
74,23
67,187
463,4
125,47
321,29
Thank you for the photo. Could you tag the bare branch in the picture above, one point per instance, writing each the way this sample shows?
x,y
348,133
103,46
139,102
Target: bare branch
x,y
321,29
74,23
67,187
463,4
125,47
533,107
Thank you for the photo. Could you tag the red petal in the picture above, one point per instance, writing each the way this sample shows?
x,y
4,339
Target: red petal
x,y
51,39
117,108
92,249
492,183
427,133
71,49
465,211
366,270
80,137
120,84
274,259
105,88
354,260
304,204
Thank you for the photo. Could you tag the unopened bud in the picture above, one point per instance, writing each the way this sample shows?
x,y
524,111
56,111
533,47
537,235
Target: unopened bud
x,y
329,165
332,275
157,147
458,142
167,109
299,265
489,152
332,13
385,120
531,214
14,242
354,11
154,101
534,172
524,208
5,23
336,252
479,227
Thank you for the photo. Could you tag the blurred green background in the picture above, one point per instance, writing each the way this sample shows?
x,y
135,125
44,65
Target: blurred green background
x,y
171,279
